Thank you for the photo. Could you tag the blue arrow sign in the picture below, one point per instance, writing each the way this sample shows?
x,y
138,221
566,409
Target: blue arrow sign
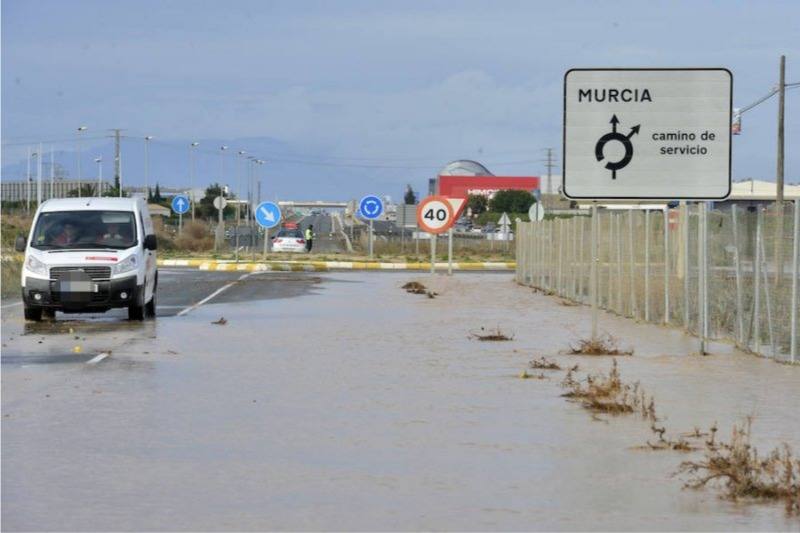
x,y
268,215
370,207
180,204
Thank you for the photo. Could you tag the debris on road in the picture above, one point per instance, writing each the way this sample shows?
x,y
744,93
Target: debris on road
x,y
414,287
221,322
491,335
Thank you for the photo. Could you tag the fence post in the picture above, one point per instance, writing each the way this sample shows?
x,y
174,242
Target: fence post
x,y
632,264
738,267
757,287
793,301
768,300
573,259
593,271
646,265
560,262
666,265
686,264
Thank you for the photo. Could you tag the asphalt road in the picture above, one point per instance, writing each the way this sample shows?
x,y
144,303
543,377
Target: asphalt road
x,y
325,242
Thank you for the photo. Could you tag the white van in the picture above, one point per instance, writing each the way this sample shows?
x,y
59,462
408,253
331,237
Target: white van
x,y
85,255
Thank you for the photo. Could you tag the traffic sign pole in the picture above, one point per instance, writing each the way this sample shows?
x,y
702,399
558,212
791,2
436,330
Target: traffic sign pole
x,y
593,272
450,252
266,243
370,238
180,224
433,253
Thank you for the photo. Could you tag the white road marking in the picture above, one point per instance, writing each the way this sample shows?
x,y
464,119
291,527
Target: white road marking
x,y
97,358
213,294
12,305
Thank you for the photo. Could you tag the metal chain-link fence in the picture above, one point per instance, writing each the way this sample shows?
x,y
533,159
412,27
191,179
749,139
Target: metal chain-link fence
x,y
726,273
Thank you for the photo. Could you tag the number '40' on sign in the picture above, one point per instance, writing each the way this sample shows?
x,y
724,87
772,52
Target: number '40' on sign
x,y
435,214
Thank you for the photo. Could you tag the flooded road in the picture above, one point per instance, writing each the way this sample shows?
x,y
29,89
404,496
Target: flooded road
x,y
342,402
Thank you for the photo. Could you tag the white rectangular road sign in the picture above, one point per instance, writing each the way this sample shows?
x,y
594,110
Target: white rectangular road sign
x,y
647,134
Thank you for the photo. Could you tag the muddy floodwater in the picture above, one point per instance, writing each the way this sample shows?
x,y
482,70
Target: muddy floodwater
x,y
353,405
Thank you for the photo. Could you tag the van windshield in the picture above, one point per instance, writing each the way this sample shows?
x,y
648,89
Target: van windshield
x,y
85,230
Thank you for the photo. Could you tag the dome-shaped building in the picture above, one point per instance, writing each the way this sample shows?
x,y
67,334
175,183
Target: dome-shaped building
x,y
464,167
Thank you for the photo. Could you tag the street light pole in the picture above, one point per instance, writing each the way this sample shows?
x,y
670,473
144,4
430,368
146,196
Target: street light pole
x,y
191,175
39,176
28,184
99,161
240,153
220,234
52,170
80,130
147,140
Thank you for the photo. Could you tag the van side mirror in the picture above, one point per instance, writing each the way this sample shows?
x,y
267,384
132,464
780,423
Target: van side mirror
x,y
150,242
21,243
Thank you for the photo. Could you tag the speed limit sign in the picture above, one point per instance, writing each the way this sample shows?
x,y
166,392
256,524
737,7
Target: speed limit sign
x,y
435,214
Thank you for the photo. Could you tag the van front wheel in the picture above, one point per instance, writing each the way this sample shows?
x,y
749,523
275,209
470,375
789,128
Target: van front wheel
x,y
136,309
34,314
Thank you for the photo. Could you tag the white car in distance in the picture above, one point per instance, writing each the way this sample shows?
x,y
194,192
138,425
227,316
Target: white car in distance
x,y
289,240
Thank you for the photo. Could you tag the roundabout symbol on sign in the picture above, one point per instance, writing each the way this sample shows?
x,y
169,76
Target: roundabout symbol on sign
x,y
435,214
370,207
613,135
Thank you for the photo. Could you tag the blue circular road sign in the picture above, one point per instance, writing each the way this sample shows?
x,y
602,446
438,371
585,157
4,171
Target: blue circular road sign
x,y
180,204
268,215
371,207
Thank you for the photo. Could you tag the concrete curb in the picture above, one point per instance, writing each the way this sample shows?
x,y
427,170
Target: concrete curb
x,y
323,266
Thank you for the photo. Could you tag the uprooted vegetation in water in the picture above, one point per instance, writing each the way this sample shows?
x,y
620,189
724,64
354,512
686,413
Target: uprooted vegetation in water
x,y
743,473
491,335
734,466
603,345
607,393
525,375
544,364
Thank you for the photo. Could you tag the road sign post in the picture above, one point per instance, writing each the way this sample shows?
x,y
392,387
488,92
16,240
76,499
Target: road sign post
x,y
435,215
371,238
450,252
647,134
220,203
370,207
180,205
267,215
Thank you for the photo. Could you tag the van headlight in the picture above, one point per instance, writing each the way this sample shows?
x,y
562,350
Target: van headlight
x,y
35,266
125,265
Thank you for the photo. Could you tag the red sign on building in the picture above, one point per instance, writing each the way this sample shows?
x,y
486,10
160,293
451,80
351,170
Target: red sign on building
x,y
463,186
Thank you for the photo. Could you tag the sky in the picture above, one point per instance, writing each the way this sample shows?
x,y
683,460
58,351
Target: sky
x,y
348,98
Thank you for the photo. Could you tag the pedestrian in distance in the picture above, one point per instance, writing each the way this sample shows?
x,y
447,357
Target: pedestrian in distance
x,y
309,238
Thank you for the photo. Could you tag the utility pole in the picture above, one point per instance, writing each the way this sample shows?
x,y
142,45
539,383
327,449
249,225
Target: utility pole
x,y
781,110
550,163
117,161
779,176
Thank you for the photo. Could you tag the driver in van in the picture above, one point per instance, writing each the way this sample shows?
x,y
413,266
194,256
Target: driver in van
x,y
113,233
68,235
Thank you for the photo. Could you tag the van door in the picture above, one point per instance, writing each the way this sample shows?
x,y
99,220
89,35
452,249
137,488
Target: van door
x,y
149,255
